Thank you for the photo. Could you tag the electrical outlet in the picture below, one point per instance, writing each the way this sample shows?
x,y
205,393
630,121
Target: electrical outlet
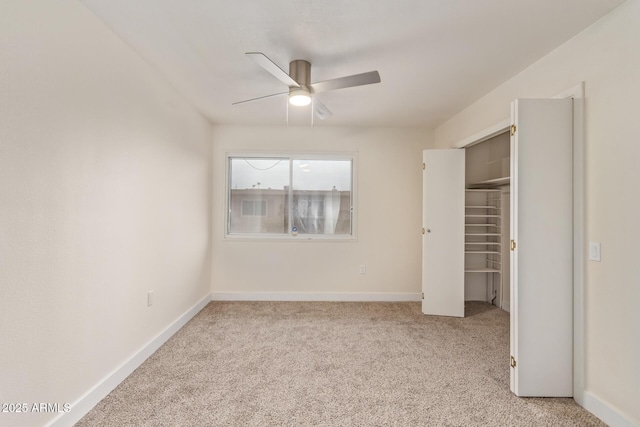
x,y
363,269
149,298
594,251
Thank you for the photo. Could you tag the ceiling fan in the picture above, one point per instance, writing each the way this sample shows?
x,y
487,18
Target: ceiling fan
x,y
301,90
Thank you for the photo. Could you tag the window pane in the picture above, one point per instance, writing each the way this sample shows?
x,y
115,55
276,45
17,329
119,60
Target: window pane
x,y
257,193
322,196
247,207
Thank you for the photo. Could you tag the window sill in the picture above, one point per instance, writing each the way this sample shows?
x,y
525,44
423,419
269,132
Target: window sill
x,y
288,238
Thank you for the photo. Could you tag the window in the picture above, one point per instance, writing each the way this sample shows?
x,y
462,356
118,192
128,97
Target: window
x,y
254,207
290,196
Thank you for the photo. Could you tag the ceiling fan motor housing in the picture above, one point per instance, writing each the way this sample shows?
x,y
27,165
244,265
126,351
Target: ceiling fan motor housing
x,y
300,71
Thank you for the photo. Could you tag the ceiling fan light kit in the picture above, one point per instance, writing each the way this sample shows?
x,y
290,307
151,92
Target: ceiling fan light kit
x,y
299,97
301,90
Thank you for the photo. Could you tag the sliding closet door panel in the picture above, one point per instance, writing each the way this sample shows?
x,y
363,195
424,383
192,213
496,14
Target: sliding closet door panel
x,y
443,239
542,260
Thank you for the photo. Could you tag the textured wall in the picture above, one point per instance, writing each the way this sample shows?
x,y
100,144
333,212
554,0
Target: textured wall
x,y
606,57
104,195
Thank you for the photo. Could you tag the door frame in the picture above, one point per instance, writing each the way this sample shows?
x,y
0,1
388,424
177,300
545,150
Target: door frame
x,y
577,94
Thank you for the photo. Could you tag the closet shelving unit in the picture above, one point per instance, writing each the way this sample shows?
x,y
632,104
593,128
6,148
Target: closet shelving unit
x,y
483,235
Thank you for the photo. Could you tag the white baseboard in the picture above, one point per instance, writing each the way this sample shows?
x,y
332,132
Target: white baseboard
x,y
83,405
316,296
606,412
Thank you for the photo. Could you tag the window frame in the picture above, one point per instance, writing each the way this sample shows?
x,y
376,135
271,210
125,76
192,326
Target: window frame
x,y
288,235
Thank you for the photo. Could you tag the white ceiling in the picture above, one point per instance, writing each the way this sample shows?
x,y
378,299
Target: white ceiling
x,y
435,57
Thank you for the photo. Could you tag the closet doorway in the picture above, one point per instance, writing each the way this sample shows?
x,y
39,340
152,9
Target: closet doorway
x,y
547,305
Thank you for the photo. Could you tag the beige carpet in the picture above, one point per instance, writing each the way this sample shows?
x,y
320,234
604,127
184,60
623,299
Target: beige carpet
x,y
331,364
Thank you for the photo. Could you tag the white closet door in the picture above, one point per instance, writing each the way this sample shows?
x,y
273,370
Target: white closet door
x,y
443,239
542,261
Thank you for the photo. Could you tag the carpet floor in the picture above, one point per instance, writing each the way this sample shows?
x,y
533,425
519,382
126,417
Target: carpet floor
x,y
331,364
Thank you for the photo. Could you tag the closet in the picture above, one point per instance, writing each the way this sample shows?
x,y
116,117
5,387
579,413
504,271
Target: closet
x,y
508,238
487,168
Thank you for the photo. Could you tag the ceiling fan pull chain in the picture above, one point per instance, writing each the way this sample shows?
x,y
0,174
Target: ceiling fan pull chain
x,y
313,104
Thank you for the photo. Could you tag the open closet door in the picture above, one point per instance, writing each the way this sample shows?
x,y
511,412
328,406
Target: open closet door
x,y
443,233
542,247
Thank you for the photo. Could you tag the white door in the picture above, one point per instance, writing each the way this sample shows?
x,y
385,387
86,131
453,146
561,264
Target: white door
x,y
443,239
542,260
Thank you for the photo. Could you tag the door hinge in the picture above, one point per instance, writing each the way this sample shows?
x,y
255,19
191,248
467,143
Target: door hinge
x,y
513,130
513,362
513,245
423,295
424,166
423,231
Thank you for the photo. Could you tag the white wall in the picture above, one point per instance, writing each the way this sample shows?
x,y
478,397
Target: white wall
x,y
104,195
389,204
606,56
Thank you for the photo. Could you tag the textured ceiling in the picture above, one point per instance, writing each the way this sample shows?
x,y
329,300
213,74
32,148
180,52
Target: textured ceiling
x,y
435,57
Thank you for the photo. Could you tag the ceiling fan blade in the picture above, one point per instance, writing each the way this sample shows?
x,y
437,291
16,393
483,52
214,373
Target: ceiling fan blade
x,y
321,110
260,97
262,60
348,81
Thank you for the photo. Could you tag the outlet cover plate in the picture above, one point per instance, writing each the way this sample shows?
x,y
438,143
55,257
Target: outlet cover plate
x,y
594,251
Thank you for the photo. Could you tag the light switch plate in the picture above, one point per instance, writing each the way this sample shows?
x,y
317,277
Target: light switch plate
x,y
594,251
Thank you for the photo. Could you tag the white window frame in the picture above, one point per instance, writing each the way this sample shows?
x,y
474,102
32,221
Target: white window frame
x,y
288,236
